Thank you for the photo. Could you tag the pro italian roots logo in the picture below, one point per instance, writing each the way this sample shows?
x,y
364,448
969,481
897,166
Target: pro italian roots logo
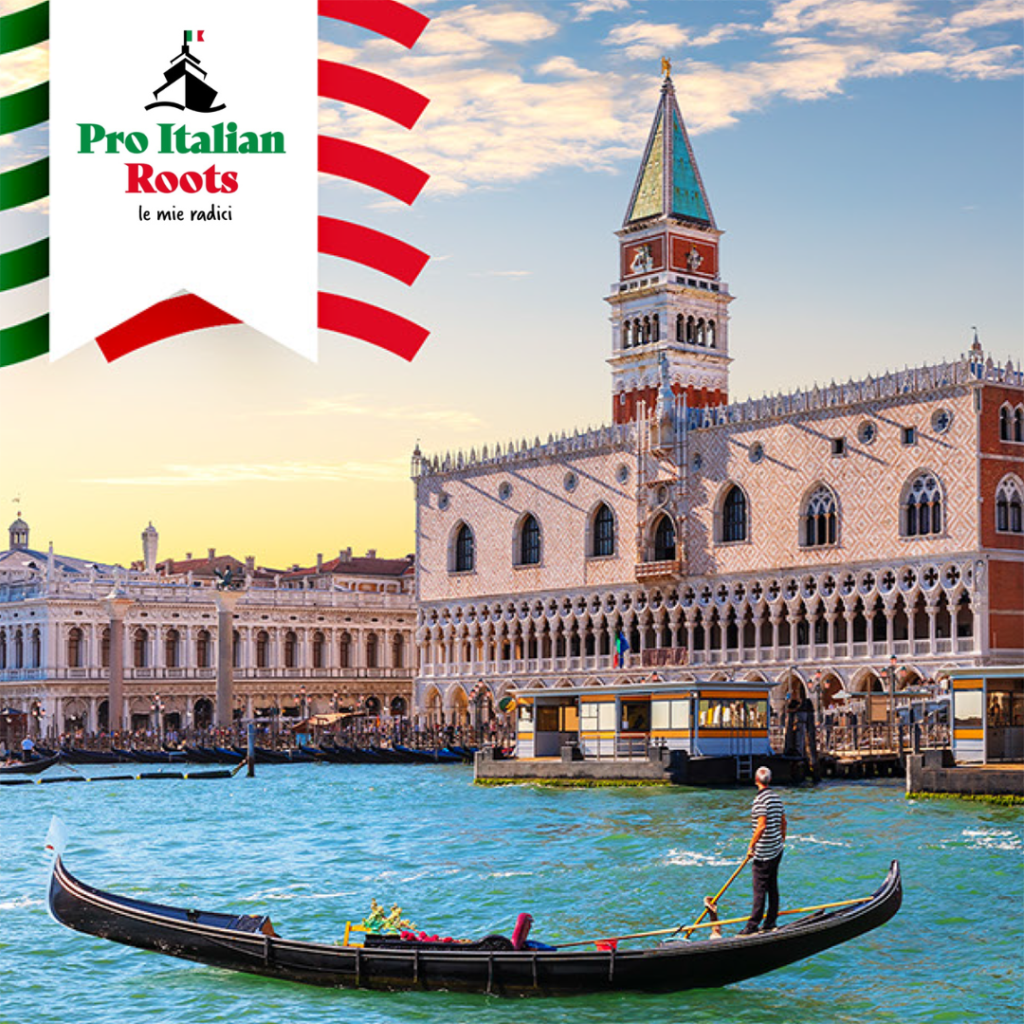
x,y
185,86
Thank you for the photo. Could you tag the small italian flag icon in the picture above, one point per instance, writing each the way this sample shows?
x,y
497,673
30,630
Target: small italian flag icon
x,y
194,37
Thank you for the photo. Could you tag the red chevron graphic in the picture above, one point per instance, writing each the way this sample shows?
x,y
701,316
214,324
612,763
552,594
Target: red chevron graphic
x,y
371,91
371,323
370,167
371,248
385,17
162,320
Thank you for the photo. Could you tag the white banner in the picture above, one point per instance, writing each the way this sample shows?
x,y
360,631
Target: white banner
x,y
212,190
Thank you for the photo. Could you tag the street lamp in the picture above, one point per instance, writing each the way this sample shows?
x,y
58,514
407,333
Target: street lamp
x,y
301,698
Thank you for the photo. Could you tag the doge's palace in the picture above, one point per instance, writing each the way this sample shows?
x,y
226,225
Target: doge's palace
x,y
817,534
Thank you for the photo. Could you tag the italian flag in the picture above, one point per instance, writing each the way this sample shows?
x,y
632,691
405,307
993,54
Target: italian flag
x,y
194,37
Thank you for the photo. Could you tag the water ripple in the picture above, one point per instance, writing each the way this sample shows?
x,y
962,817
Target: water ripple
x,y
315,843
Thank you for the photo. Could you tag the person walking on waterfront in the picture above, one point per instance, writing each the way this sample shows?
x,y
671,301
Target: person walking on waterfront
x,y
768,818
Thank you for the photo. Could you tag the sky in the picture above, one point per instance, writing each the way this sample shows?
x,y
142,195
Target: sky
x,y
865,159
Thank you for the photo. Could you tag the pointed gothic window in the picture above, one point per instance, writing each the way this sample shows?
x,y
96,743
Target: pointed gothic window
x,y
734,515
1009,505
922,506
1005,428
529,541
465,554
819,519
664,539
603,532
655,328
1018,423
680,327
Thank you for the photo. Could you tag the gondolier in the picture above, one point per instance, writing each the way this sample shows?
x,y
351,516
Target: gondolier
x,y
768,818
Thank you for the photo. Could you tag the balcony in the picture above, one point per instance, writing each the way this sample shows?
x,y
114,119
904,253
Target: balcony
x,y
646,571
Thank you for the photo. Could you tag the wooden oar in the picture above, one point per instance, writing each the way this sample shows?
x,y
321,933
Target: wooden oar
x,y
716,897
711,924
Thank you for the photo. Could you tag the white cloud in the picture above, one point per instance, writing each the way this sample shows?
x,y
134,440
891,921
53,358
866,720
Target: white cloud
x,y
990,12
643,39
219,473
586,9
361,406
21,69
867,17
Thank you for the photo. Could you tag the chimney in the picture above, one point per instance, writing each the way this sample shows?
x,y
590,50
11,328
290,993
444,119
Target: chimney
x,y
345,555
250,563
188,556
371,552
213,554
319,562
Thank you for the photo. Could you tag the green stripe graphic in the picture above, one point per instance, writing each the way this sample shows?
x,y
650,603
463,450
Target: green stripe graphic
x,y
25,184
25,265
26,28
25,341
24,109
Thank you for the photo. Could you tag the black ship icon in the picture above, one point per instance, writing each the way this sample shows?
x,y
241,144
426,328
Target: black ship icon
x,y
184,89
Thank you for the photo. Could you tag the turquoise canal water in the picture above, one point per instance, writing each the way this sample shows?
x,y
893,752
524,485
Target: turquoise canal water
x,y
310,844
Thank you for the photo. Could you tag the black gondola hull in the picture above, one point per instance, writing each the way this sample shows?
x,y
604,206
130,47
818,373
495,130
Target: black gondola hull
x,y
220,940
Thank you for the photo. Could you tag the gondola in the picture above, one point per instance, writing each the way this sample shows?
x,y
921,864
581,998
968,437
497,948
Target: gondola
x,y
80,755
29,767
492,965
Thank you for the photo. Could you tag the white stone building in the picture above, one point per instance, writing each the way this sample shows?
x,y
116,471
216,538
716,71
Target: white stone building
x,y
337,635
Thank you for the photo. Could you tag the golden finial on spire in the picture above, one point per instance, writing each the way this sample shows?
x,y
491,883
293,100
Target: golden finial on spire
x,y
666,67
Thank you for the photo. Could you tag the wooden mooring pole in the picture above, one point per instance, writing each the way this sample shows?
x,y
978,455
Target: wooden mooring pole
x,y
250,750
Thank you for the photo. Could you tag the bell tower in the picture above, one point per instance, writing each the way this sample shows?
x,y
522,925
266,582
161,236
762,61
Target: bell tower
x,y
670,304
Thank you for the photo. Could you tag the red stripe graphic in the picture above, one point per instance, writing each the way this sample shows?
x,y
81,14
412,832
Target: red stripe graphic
x,y
370,248
372,92
371,323
162,320
370,167
385,17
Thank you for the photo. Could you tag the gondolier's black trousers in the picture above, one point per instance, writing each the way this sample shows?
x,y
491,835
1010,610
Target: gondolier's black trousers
x,y
766,884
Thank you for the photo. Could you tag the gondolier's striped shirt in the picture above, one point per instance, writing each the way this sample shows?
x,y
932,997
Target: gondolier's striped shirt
x,y
768,805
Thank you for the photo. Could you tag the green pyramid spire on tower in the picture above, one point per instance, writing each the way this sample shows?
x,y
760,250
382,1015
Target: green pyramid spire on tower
x,y
669,183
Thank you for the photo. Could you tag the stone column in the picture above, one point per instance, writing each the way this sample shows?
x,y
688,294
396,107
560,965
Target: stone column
x,y
224,706
889,611
830,618
117,605
691,625
932,608
776,619
849,613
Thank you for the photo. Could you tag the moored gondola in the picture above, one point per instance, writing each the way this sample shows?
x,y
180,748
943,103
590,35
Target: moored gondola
x,y
29,767
493,965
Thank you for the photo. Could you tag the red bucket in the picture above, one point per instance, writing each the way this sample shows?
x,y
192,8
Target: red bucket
x,y
606,945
